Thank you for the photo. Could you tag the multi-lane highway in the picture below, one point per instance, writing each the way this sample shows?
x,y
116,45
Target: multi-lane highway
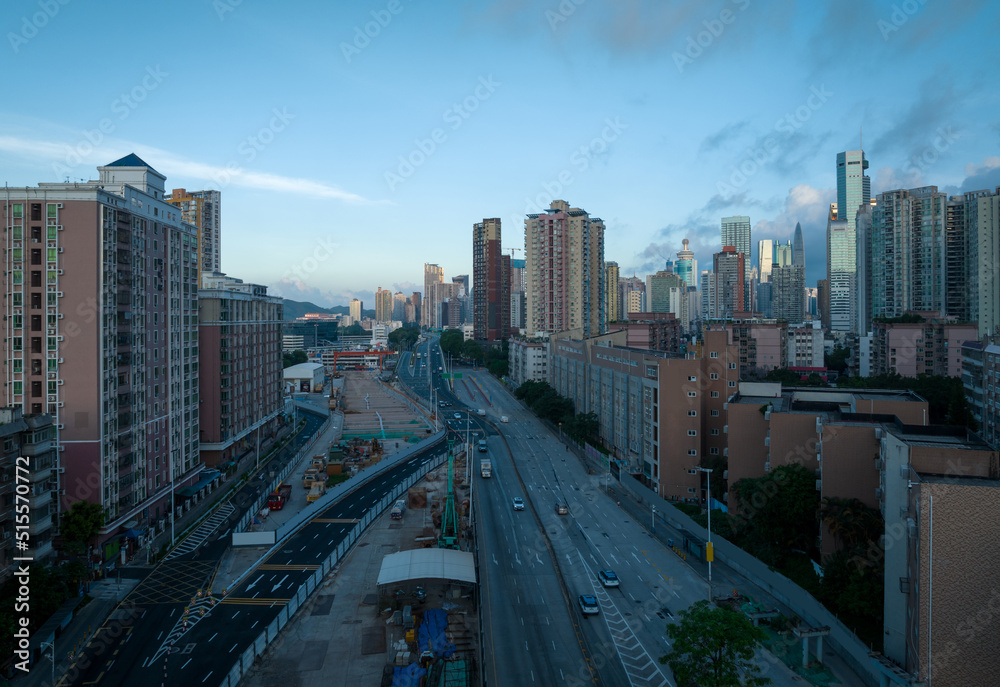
x,y
152,646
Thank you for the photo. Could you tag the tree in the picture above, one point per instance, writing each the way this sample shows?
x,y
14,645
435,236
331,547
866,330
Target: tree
x,y
353,330
785,376
451,342
472,350
80,525
293,358
837,360
780,512
403,338
714,647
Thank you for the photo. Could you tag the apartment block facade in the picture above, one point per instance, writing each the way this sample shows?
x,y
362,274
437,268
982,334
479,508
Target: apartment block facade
x,y
612,293
660,414
101,303
203,209
491,283
433,274
981,379
564,259
527,361
933,346
240,376
788,287
727,292
29,452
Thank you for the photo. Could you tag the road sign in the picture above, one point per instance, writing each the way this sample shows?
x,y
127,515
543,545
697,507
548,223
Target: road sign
x,y
451,375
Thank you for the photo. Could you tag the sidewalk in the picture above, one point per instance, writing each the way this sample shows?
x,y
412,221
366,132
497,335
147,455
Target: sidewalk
x,y
106,594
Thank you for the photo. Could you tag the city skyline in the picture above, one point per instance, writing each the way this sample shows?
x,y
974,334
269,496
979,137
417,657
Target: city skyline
x,y
415,170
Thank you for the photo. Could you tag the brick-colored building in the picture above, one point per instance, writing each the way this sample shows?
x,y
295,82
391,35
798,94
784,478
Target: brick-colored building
x,y
491,283
933,346
762,344
661,414
832,431
659,331
939,497
239,342
101,301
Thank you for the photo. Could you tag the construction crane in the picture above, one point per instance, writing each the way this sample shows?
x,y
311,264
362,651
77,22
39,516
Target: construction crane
x,y
449,519
512,250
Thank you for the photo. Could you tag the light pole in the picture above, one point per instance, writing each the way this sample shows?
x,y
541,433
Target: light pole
x,y
52,646
653,524
710,554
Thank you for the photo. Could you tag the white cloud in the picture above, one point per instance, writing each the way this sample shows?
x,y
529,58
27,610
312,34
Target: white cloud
x,y
64,158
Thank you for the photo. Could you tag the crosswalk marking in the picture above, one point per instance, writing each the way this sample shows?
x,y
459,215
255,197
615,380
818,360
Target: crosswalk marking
x,y
204,531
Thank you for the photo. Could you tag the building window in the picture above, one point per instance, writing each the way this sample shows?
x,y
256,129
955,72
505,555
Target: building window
x,y
692,394
691,490
732,366
692,378
715,394
692,432
715,432
713,451
714,375
715,413
692,452
732,384
18,388
692,413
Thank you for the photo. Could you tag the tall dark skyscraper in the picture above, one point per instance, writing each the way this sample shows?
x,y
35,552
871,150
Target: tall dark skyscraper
x,y
798,248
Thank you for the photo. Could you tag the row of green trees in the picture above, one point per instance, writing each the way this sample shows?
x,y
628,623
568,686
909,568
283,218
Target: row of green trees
x,y
547,404
493,357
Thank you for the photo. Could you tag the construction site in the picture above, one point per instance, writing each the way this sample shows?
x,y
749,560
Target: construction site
x,y
401,608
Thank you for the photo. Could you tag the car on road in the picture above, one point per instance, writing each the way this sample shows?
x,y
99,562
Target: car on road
x,y
561,509
458,416
588,604
609,578
503,418
518,503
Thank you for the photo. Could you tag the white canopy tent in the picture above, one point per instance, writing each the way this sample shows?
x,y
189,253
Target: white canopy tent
x,y
422,564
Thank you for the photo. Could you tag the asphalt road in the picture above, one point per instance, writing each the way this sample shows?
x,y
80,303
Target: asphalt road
x,y
132,648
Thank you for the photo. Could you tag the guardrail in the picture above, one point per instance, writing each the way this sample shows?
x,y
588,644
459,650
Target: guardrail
x,y
243,666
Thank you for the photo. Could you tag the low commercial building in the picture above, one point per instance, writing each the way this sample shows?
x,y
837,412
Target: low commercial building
x,y
304,377
651,331
805,345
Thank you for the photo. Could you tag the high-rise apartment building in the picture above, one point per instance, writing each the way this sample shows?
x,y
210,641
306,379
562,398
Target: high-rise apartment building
x,y
686,266
415,301
707,295
399,307
973,253
433,274
491,283
728,283
565,263
240,370
788,286
798,248
783,255
101,302
666,292
765,259
203,209
633,291
612,293
518,299
383,305
907,248
356,307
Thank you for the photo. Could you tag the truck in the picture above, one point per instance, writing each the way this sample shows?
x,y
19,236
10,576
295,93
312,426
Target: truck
x,y
277,499
482,446
317,490
398,509
486,467
312,476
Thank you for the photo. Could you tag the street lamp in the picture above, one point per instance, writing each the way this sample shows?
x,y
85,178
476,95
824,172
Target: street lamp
x,y
711,551
653,527
51,645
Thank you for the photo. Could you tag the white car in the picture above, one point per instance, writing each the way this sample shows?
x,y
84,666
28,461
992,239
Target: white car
x,y
518,503
458,416
588,604
609,578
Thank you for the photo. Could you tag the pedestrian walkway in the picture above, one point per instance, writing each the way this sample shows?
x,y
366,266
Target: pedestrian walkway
x,y
204,531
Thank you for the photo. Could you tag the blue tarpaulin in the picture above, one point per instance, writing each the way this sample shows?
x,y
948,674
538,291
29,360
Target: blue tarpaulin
x,y
408,676
431,636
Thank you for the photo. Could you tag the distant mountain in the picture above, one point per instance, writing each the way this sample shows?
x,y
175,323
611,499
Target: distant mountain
x,y
297,309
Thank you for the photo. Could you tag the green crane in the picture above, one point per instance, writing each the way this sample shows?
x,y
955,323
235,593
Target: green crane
x,y
449,519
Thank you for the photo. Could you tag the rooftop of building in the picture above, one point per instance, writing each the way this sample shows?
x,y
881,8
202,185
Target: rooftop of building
x,y
944,436
130,160
834,403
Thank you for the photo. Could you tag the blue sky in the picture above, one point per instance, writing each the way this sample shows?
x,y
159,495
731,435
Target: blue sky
x,y
354,142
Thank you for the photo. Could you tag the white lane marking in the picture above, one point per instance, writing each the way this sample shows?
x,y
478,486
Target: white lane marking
x,y
186,663
208,676
209,639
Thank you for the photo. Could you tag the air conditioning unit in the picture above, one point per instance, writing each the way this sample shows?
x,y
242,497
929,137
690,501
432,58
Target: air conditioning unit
x,y
819,426
767,441
60,426
725,474
725,429
60,469
767,466
59,272
60,249
59,294
60,404
767,414
60,338
878,432
60,359
819,485
60,382
62,492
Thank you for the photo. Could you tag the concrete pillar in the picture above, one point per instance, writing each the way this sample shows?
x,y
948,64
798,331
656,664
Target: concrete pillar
x,y
805,652
819,648
883,681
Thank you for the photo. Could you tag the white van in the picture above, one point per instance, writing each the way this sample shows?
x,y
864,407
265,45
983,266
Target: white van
x,y
480,411
503,418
